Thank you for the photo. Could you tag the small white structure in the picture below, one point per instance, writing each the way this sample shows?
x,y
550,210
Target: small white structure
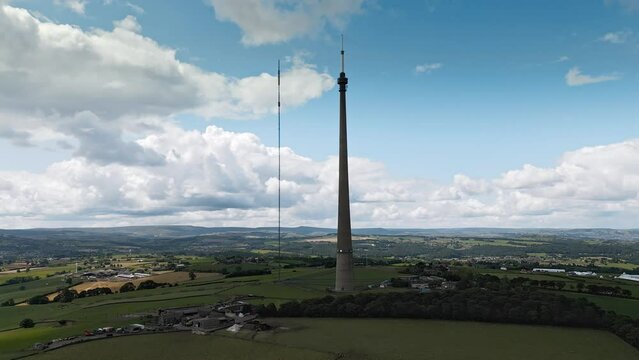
x,y
630,277
235,328
141,275
126,276
503,268
549,270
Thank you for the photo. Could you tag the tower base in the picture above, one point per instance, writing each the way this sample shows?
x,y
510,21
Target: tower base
x,y
344,272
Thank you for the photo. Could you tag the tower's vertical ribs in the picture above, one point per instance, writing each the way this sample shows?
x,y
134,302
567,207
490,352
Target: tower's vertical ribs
x,y
344,256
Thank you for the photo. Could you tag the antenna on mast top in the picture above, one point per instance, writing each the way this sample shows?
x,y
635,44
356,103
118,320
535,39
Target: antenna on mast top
x,y
342,52
279,179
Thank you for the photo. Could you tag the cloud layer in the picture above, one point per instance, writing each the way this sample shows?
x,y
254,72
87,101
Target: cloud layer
x,y
112,96
91,89
217,177
275,21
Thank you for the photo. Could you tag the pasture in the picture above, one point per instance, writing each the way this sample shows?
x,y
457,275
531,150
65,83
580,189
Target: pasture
x,y
116,309
370,339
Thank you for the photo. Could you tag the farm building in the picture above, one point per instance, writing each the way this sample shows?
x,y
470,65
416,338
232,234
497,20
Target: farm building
x,y
583,273
630,277
206,325
549,270
172,316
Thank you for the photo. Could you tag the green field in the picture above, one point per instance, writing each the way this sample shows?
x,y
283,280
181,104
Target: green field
x,y
36,272
570,281
366,339
23,291
181,346
621,306
109,310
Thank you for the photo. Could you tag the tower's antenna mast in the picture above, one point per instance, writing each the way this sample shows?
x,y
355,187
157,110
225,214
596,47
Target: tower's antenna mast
x,y
342,52
279,180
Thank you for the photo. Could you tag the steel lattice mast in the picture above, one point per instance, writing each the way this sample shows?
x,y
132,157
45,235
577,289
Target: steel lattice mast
x,y
279,179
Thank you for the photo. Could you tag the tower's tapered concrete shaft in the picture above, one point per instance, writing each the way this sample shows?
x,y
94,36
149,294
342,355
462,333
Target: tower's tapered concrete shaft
x,y
344,268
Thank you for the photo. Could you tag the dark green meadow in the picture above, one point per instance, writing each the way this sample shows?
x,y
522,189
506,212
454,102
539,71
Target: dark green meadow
x,y
367,339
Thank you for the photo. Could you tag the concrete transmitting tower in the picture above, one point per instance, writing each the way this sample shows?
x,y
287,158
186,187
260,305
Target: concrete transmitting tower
x,y
344,268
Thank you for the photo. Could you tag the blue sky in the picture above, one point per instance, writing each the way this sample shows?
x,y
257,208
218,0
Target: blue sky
x,y
499,100
494,93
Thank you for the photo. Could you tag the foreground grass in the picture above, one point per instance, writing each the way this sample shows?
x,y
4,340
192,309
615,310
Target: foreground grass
x,y
448,340
370,339
181,346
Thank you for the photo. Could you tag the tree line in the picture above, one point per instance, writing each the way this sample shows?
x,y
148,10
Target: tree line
x,y
504,303
68,295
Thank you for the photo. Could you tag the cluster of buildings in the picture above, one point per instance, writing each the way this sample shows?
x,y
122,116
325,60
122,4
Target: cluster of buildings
x,y
545,270
422,283
563,271
114,274
205,319
201,320
89,335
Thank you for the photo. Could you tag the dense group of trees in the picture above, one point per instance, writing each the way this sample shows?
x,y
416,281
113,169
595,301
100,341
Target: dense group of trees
x,y
68,295
482,298
150,284
94,292
37,300
608,290
127,287
20,280
474,304
27,323
249,272
544,284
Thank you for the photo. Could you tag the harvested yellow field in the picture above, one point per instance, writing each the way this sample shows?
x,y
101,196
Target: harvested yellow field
x,y
167,277
49,296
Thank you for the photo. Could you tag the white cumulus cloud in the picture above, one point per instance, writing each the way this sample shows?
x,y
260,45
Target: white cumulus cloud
x,y
428,68
119,81
275,21
618,37
217,177
574,77
77,6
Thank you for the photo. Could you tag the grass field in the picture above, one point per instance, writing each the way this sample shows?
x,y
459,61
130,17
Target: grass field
x,y
621,306
367,339
110,310
182,346
416,338
41,272
571,281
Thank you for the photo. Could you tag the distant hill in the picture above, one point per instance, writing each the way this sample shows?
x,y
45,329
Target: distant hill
x,y
179,231
65,242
